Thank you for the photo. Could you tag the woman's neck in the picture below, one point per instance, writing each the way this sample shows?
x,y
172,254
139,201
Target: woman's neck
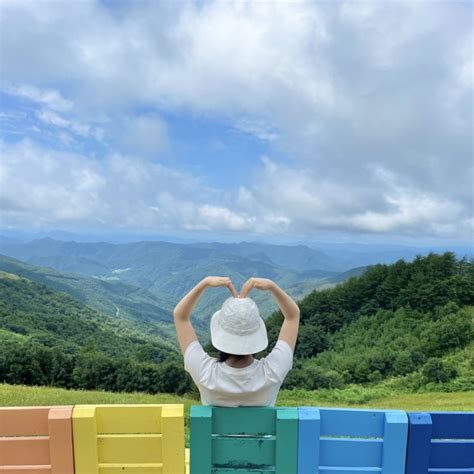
x,y
239,362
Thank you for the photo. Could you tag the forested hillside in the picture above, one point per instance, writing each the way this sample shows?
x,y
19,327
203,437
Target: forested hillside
x,y
409,323
395,320
49,338
114,298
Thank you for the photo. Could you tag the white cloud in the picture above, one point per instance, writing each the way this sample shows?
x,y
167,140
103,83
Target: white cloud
x,y
369,104
50,97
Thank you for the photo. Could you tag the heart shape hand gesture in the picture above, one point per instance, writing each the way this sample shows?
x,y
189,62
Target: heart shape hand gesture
x,y
259,283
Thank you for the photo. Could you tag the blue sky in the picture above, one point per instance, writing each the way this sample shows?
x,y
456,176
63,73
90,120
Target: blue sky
x,y
261,120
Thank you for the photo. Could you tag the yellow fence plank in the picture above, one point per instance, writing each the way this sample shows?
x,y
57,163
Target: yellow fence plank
x,y
145,439
85,439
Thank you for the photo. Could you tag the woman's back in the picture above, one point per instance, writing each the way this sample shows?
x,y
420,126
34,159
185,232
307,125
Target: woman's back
x,y
238,331
222,385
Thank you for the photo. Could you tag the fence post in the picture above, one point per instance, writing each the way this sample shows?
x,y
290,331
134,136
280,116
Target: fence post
x,y
201,439
172,439
86,458
395,442
60,440
286,455
309,432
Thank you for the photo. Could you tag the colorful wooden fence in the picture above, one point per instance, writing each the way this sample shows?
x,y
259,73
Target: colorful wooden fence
x,y
149,439
351,441
141,439
36,440
248,439
441,443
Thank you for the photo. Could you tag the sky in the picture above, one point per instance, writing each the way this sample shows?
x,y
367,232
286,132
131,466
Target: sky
x,y
224,119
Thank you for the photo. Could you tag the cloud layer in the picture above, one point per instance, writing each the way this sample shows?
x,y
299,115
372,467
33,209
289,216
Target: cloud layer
x,y
365,109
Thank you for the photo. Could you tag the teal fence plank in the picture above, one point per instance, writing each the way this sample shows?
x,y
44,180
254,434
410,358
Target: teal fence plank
x,y
286,459
243,440
200,440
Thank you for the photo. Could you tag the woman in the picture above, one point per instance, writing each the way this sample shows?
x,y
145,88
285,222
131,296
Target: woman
x,y
238,332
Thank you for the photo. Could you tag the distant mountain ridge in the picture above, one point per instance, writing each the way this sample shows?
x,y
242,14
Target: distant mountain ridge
x,y
168,270
112,298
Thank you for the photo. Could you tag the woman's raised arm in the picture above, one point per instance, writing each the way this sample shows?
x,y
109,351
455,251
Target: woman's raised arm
x,y
290,310
182,312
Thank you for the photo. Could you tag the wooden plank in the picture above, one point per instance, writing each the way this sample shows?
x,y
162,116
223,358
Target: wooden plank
x,y
452,454
201,439
348,470
352,453
172,422
270,470
419,443
244,420
244,452
354,423
24,421
86,458
24,450
309,429
394,442
129,448
286,456
153,468
453,425
122,419
60,440
37,469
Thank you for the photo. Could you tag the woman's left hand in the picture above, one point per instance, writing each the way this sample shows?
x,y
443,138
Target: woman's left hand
x,y
221,281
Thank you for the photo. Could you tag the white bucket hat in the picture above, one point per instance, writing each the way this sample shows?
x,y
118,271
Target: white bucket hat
x,y
237,328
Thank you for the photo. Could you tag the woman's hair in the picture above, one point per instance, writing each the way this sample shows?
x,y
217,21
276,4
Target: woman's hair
x,y
223,356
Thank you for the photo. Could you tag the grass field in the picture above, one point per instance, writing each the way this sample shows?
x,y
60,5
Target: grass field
x,y
22,395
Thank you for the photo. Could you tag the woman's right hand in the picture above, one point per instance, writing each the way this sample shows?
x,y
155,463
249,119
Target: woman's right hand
x,y
221,281
259,283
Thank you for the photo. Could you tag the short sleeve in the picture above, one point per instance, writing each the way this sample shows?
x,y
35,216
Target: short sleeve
x,y
280,359
196,361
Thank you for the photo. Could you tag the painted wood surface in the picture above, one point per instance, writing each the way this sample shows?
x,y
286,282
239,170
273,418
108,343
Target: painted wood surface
x,y
243,440
349,441
441,443
36,440
141,439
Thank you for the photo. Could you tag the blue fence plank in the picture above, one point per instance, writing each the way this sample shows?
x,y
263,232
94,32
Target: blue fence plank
x,y
453,425
446,439
309,431
353,441
352,422
419,443
347,452
395,442
452,454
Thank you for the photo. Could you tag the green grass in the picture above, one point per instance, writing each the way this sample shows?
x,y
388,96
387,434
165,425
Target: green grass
x,y
354,396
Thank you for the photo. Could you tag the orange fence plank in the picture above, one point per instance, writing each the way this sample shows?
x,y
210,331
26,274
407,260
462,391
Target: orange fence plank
x,y
36,440
25,469
60,440
24,450
24,421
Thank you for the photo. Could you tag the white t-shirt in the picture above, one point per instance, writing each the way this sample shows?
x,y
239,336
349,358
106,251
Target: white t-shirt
x,y
222,385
